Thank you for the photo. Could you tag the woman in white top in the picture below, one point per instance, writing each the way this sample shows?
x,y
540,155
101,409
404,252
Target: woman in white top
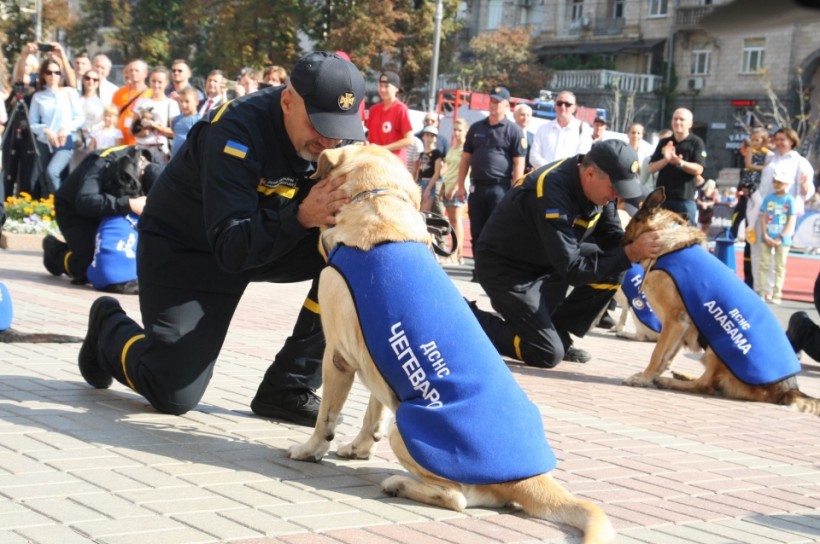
x,y
93,105
153,115
55,115
635,133
786,142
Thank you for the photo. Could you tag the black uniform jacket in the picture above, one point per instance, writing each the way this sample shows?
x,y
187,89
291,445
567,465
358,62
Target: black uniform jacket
x,y
81,200
225,206
546,226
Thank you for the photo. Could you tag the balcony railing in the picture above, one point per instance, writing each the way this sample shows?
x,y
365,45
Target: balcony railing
x,y
609,27
690,17
605,79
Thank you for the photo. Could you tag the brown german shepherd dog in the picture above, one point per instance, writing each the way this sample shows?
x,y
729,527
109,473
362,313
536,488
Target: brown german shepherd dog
x,y
391,214
679,330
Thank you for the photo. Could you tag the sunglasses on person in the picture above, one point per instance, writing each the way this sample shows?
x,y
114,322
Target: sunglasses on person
x,y
86,78
564,104
177,70
52,73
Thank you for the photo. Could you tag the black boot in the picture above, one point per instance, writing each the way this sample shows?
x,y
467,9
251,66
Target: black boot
x,y
54,255
93,373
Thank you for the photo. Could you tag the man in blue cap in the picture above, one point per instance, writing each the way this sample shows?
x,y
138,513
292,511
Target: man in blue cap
x,y
494,155
558,228
236,204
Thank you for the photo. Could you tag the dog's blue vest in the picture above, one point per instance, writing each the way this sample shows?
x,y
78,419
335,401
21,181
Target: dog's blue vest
x,y
632,283
6,308
115,252
737,324
462,414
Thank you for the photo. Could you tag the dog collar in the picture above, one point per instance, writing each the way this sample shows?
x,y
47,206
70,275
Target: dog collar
x,y
371,193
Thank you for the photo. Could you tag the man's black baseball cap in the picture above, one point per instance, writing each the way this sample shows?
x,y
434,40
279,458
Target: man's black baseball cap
x,y
332,89
620,162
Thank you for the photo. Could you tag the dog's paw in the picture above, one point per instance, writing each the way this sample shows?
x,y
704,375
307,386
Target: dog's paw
x,y
637,380
683,376
351,451
394,485
306,452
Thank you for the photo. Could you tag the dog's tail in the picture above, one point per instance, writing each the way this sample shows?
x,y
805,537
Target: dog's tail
x,y
802,402
543,497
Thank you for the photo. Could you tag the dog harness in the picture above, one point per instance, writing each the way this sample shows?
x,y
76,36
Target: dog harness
x,y
737,324
462,414
115,252
632,289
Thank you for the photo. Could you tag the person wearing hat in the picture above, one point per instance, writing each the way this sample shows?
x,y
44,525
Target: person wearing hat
x,y
428,167
388,122
107,183
778,218
494,155
558,228
599,127
565,136
236,204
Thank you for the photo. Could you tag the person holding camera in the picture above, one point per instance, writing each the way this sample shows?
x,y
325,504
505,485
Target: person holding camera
x,y
55,116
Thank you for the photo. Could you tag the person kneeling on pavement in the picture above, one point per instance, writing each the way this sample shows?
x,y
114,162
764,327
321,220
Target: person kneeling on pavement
x,y
90,206
236,204
555,229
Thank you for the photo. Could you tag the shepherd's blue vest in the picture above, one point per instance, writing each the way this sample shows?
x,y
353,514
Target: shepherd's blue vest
x,y
462,414
115,252
738,325
6,308
631,284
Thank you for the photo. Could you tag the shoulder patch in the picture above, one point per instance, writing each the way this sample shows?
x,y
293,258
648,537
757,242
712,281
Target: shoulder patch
x,y
551,213
235,149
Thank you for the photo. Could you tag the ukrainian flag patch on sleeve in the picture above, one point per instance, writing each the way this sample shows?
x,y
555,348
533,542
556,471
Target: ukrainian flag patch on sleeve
x,y
551,213
235,149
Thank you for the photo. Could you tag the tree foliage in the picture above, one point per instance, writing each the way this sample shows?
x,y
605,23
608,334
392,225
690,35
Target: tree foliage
x,y
504,57
17,25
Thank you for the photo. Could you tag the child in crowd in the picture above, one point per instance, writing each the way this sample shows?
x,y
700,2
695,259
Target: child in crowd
x,y
109,135
429,167
454,206
187,118
706,199
778,218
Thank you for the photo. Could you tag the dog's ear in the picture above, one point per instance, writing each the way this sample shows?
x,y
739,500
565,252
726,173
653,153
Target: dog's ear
x,y
654,200
328,160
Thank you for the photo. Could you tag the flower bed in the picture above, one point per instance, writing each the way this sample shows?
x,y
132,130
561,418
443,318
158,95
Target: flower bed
x,y
29,216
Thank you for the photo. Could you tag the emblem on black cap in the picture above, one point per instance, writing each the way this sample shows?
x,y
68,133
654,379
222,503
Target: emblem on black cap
x,y
635,167
346,101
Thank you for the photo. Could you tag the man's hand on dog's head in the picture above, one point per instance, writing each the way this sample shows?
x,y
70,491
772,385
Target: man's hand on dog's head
x,y
137,204
646,246
322,203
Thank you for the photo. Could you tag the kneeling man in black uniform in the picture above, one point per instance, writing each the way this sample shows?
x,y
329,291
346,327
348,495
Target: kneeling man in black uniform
x,y
558,228
87,197
236,204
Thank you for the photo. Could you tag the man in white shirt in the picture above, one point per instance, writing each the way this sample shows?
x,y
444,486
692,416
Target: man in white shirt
x,y
564,136
107,89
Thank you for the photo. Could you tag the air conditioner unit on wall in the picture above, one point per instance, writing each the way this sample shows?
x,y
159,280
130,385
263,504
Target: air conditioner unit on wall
x,y
695,83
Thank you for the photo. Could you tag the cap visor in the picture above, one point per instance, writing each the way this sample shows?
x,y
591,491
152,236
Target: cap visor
x,y
628,188
338,126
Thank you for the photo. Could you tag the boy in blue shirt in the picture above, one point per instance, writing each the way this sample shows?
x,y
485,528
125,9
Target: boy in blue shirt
x,y
188,117
778,220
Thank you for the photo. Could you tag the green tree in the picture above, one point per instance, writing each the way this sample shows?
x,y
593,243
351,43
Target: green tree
x,y
504,57
17,25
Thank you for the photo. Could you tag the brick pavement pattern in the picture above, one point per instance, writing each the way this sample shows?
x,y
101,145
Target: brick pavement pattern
x,y
80,465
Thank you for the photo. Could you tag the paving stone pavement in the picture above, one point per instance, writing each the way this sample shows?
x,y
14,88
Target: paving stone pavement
x,y
79,465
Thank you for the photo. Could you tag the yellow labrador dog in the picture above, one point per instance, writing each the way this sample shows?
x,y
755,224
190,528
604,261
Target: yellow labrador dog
x,y
703,305
382,287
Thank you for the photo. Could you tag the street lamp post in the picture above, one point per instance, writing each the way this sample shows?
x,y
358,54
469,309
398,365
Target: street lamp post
x,y
431,97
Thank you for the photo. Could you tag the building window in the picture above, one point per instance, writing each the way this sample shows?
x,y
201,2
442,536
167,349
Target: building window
x,y
494,13
658,8
576,10
754,52
618,9
700,62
